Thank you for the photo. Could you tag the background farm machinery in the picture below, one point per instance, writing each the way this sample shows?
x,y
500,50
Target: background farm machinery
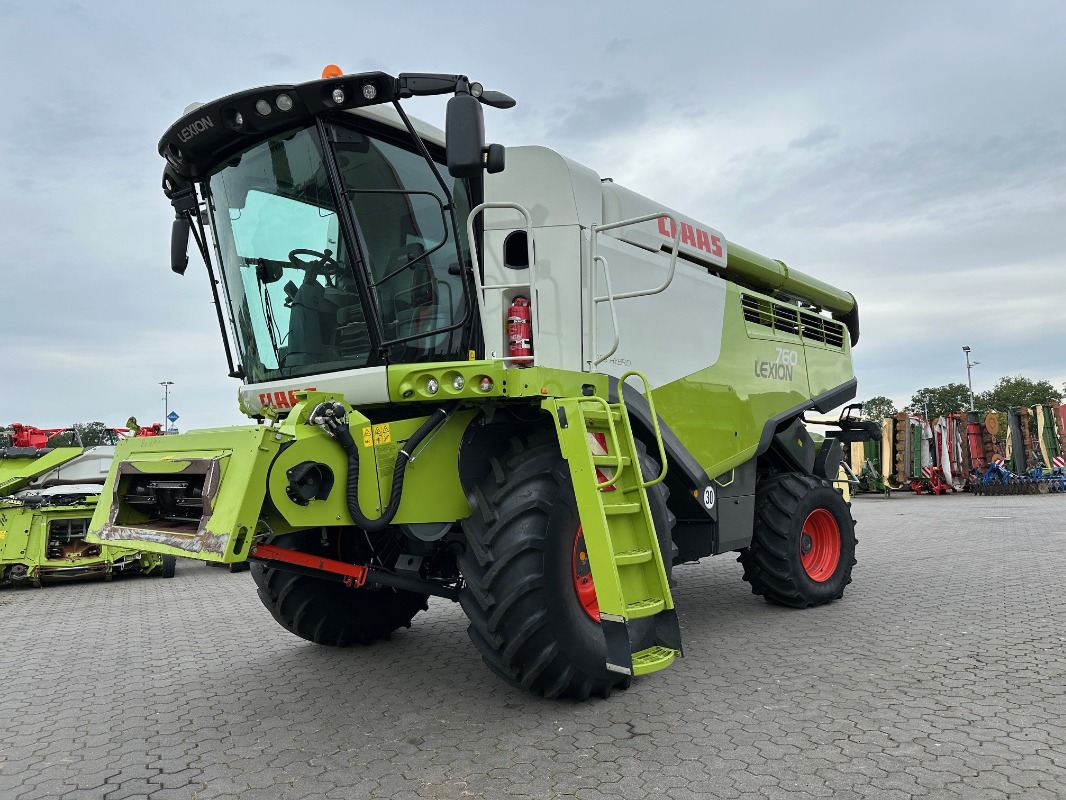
x,y
970,451
50,483
1034,456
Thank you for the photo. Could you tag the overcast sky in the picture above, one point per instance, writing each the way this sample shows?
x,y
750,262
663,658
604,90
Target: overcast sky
x,y
913,153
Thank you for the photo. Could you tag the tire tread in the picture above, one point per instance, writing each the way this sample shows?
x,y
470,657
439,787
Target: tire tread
x,y
768,565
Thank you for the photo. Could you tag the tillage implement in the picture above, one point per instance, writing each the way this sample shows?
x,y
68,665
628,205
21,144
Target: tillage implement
x,y
492,377
1034,459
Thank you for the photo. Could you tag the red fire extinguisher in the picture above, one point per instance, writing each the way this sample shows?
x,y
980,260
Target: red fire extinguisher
x,y
520,331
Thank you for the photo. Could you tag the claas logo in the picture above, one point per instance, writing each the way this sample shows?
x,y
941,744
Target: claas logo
x,y
282,399
692,236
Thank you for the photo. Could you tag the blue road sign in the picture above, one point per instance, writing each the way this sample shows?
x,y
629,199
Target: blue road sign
x,y
173,416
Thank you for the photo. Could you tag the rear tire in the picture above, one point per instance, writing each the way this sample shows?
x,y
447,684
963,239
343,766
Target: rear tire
x,y
520,591
328,612
803,544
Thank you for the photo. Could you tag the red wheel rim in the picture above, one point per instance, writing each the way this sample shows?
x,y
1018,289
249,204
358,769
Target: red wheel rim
x,y
582,574
820,545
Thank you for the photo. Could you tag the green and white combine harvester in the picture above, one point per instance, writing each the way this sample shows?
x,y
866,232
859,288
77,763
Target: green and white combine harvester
x,y
529,390
50,482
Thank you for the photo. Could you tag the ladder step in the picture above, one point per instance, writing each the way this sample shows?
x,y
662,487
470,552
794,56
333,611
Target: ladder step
x,y
645,608
595,415
632,557
619,533
653,659
621,508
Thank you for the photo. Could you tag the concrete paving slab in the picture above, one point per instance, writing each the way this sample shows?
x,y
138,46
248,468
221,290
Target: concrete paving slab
x,y
942,673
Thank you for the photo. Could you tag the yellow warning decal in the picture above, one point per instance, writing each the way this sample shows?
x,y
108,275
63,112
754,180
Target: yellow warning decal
x,y
3,534
382,434
379,434
471,355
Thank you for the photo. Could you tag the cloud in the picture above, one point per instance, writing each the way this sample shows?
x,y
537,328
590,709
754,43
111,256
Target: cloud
x,y
583,116
819,135
918,160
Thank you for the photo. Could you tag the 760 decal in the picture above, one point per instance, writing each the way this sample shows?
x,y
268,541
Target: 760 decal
x,y
781,368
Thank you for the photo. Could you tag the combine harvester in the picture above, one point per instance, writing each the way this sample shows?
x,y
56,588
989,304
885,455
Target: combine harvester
x,y
47,497
441,358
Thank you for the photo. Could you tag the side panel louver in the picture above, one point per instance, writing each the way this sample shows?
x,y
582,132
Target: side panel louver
x,y
782,318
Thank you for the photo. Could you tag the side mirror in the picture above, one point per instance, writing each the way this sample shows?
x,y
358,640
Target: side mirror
x,y
464,134
179,245
494,159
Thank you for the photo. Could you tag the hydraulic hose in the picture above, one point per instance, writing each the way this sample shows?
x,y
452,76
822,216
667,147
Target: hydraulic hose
x,y
333,426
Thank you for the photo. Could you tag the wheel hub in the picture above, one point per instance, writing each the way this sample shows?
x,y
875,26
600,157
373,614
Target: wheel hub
x,y
819,545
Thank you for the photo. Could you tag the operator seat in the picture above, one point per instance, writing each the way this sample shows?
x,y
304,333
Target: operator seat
x,y
309,310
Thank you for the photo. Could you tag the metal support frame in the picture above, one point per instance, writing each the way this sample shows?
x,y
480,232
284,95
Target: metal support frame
x,y
354,576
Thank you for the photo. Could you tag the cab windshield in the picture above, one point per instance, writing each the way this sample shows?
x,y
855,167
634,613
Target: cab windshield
x,y
290,274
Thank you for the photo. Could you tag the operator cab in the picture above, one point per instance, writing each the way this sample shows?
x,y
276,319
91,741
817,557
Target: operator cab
x,y
292,276
339,233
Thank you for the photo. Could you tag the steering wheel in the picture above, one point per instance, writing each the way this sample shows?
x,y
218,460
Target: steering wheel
x,y
321,264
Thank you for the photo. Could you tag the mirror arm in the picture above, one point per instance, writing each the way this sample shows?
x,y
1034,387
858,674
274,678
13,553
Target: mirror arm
x,y
424,151
199,234
426,84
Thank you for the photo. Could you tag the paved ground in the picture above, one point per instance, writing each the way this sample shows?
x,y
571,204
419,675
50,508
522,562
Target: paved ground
x,y
942,673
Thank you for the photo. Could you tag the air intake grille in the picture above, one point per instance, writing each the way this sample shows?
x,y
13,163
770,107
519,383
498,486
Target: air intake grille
x,y
760,311
820,329
782,318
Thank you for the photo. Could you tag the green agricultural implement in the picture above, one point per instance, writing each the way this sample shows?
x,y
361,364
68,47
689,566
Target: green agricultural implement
x,y
870,478
529,390
47,497
1034,461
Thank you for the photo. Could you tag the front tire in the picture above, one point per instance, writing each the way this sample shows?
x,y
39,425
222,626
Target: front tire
x,y
521,590
328,612
169,567
803,545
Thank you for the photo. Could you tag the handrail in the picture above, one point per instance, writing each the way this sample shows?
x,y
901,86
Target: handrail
x,y
595,229
610,297
614,315
619,464
654,421
530,285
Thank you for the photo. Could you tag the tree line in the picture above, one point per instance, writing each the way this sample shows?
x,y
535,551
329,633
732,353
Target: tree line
x,y
954,398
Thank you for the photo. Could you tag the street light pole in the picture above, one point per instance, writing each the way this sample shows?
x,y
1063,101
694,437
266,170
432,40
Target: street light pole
x,y
166,402
969,366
